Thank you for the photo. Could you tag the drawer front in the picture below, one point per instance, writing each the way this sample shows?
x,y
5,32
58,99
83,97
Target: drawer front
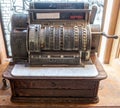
x,y
54,93
56,84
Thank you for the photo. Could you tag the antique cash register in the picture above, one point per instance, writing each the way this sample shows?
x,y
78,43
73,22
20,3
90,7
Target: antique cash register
x,y
54,50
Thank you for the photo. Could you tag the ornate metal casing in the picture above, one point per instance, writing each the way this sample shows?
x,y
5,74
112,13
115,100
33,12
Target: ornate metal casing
x,y
55,34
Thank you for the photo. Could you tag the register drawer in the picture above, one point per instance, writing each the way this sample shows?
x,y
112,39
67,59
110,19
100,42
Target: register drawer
x,y
52,84
54,93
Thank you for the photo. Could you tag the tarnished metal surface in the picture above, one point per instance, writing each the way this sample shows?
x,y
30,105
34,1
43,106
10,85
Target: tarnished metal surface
x,y
62,39
58,38
19,21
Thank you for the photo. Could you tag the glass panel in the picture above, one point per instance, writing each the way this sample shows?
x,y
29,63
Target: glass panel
x,y
8,7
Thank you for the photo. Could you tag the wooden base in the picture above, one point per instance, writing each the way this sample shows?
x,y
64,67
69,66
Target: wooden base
x,y
49,100
55,89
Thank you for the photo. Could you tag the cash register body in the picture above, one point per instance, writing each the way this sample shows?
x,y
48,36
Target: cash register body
x,y
55,35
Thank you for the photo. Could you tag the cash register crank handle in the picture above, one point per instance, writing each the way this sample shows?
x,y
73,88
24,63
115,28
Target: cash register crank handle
x,y
103,34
